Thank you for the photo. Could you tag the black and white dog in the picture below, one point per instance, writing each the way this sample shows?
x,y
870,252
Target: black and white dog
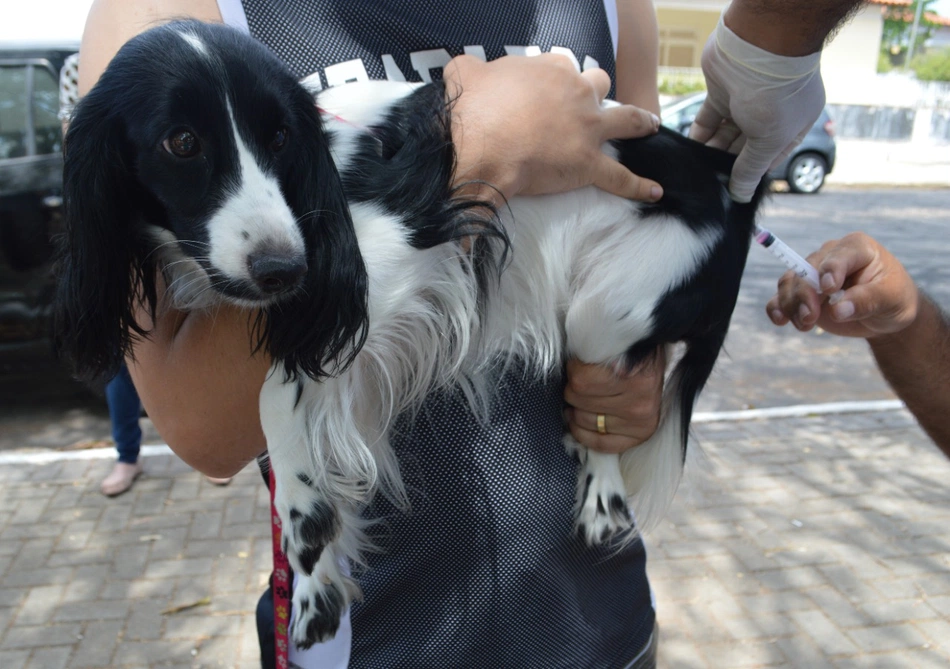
x,y
199,156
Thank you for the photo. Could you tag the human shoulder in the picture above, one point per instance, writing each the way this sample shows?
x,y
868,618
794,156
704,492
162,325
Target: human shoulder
x,y
111,23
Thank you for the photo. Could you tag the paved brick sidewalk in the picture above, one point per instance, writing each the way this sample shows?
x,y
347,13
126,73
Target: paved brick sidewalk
x,y
810,542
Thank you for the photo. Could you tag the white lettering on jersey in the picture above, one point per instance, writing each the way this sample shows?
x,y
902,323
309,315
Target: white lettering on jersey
x,y
523,50
346,72
423,61
477,51
393,73
563,51
590,63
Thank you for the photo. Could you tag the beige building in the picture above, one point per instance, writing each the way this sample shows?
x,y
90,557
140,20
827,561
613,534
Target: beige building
x,y
685,26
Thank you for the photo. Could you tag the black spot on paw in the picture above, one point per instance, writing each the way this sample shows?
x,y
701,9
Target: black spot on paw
x,y
308,558
313,531
590,477
324,621
601,511
319,527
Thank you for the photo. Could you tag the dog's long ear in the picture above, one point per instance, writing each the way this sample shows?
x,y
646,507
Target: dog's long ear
x,y
320,330
93,310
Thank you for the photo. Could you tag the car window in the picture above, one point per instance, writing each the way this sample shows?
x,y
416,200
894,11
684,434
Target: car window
x,y
46,124
14,108
687,113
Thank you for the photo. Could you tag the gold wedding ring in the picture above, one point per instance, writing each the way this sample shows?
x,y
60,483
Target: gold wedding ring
x,y
601,423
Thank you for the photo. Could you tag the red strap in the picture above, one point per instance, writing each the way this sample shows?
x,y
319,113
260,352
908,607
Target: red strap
x,y
281,586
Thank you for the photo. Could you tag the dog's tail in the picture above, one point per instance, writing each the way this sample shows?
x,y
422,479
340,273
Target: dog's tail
x,y
652,471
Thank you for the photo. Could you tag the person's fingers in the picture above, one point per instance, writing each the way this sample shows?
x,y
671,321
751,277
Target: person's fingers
x,y
627,121
853,253
600,81
798,301
737,145
774,312
615,425
788,149
603,443
611,176
855,303
725,136
706,123
753,162
591,381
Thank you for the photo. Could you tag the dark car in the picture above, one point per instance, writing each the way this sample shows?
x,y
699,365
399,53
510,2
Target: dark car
x,y
804,170
31,174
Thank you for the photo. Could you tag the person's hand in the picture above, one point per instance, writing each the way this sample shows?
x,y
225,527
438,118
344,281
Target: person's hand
x,y
759,105
630,403
534,125
866,291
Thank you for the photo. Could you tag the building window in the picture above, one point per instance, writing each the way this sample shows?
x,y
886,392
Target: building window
x,y
679,47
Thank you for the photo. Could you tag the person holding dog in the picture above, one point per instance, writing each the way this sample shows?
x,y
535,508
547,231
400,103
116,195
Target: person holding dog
x,y
487,597
200,380
866,292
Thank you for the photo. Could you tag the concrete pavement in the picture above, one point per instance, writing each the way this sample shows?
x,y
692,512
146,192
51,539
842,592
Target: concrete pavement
x,y
819,541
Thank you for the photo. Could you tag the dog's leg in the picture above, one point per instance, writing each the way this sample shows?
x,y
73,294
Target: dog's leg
x,y
321,598
310,518
600,501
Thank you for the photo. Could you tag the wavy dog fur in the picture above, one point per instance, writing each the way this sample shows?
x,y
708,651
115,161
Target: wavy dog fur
x,y
197,158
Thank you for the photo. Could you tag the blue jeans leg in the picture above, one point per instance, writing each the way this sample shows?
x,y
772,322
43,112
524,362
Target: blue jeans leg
x,y
124,411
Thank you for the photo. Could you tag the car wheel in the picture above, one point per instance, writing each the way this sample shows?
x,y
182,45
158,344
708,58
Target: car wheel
x,y
806,173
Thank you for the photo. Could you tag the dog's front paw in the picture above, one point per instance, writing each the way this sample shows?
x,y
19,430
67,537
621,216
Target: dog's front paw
x,y
602,512
309,522
319,602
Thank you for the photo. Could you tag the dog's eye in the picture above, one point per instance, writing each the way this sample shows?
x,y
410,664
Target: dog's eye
x,y
183,144
280,140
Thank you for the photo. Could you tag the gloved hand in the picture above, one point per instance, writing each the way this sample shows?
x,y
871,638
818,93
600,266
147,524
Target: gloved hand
x,y
759,105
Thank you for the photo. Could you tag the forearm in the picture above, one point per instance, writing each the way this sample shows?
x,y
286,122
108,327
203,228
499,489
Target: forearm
x,y
788,28
916,363
200,381
637,54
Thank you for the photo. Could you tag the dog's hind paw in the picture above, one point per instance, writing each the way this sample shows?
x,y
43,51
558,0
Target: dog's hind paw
x,y
602,512
309,522
319,603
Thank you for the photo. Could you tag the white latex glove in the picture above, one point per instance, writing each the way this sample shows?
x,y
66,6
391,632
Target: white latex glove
x,y
759,105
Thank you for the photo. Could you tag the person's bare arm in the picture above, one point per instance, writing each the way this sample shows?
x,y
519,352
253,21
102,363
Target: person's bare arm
x,y
638,54
866,292
195,374
916,362
788,28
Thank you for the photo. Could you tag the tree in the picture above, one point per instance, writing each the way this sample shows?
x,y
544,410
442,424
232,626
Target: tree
x,y
898,24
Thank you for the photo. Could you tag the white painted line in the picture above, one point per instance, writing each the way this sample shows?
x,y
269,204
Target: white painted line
x,y
798,411
46,457
794,411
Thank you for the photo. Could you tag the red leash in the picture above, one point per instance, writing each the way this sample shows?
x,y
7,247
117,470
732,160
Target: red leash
x,y
281,586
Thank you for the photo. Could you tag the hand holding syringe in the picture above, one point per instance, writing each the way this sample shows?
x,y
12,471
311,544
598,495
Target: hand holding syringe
x,y
792,260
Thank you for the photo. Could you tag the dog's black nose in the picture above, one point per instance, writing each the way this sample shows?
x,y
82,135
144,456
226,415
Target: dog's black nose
x,y
274,274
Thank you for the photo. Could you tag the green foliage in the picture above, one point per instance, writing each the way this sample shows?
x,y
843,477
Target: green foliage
x,y
898,25
680,85
884,64
933,66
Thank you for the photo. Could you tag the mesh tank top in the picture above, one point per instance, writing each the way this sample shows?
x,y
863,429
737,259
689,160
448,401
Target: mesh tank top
x,y
485,571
